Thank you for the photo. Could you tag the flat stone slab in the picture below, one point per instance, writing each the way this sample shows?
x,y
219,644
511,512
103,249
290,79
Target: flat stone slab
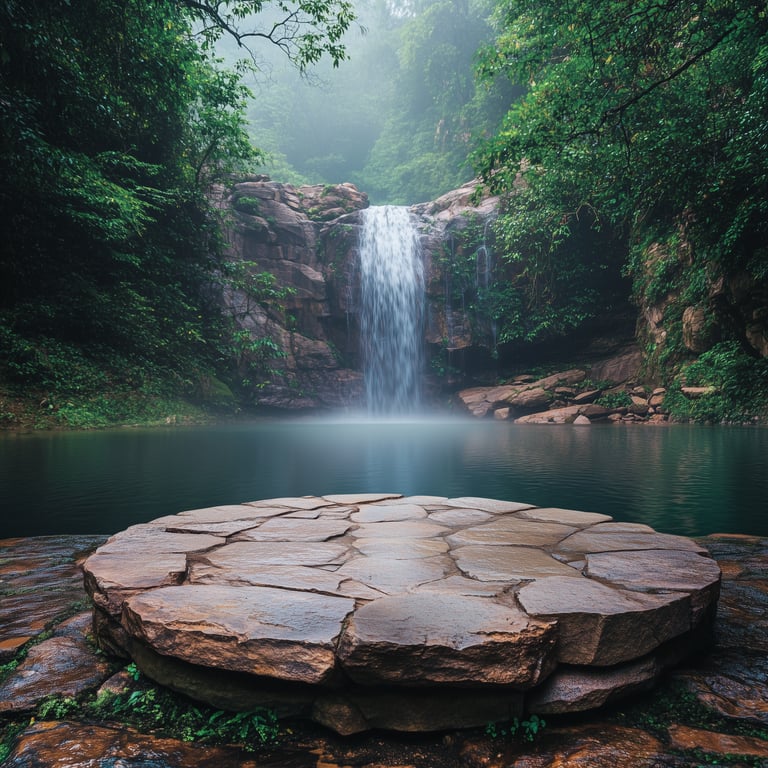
x,y
353,604
277,633
439,638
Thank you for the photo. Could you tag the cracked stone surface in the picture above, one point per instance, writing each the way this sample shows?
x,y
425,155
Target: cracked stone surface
x,y
355,603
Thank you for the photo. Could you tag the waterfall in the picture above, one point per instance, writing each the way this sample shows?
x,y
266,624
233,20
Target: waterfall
x,y
392,309
483,281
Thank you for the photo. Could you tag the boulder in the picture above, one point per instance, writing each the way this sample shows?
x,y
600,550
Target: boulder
x,y
587,396
64,666
622,367
698,331
530,399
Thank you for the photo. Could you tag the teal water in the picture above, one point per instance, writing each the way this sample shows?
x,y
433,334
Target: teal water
x,y
679,479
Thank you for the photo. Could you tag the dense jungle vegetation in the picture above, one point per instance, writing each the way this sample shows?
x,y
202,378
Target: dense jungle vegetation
x,y
115,119
629,139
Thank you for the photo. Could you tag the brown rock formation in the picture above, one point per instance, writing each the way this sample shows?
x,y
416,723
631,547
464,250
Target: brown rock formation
x,y
351,600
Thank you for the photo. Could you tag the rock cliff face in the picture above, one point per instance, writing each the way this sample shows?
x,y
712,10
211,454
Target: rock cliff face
x,y
688,303
307,238
283,231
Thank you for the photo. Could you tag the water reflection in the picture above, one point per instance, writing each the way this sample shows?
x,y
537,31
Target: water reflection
x,y
686,480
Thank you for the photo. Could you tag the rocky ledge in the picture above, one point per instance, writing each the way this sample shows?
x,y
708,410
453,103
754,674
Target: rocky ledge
x,y
42,604
414,614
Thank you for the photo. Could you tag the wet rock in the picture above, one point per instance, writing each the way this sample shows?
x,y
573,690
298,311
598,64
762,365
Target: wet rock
x,y
285,529
744,615
513,530
735,686
414,710
222,688
509,564
621,538
581,689
61,666
61,744
602,626
573,517
682,571
598,746
436,638
378,573
685,738
388,513
40,580
277,633
400,548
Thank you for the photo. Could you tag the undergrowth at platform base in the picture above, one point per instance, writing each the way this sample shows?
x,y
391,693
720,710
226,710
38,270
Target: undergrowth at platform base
x,y
151,708
674,702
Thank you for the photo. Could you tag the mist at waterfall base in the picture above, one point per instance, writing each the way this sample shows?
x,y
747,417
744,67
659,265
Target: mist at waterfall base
x,y
681,479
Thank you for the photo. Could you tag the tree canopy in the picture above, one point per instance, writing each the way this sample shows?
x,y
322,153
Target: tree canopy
x,y
115,118
642,119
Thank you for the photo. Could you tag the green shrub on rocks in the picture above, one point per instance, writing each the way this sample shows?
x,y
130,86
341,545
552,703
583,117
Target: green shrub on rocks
x,y
149,707
527,730
8,733
737,385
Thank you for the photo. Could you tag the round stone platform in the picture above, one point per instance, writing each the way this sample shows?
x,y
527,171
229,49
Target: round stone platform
x,y
406,613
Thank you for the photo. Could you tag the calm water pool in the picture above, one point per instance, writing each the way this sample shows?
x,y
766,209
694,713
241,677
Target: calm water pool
x,y
680,479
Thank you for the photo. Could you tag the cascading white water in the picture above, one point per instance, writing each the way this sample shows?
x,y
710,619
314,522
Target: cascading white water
x,y
392,310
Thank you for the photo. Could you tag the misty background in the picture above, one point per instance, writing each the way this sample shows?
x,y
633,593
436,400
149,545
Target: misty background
x,y
399,119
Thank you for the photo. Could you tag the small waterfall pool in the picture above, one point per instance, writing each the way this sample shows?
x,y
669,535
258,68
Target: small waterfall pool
x,y
678,479
392,310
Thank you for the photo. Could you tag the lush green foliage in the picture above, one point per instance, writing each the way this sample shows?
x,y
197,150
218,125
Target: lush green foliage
x,y
527,729
114,121
735,387
436,110
641,121
8,733
149,707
